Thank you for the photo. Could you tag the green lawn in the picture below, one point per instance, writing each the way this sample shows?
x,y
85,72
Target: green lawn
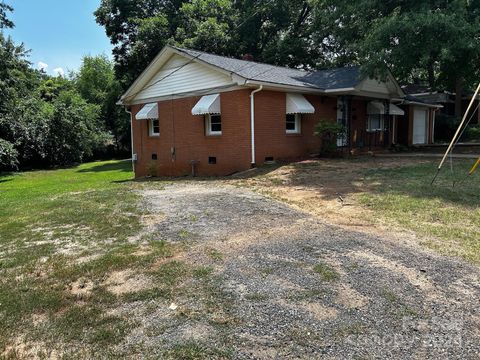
x,y
448,216
63,233
49,219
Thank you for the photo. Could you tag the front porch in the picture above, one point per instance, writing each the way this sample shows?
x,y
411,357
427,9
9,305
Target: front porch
x,y
369,124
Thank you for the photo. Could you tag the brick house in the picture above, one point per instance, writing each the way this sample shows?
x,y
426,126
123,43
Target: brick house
x,y
194,111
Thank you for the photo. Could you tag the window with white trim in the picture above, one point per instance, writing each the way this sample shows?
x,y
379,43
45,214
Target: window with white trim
x,y
375,122
293,123
213,124
154,127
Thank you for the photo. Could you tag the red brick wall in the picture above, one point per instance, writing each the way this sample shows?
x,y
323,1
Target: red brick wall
x,y
186,133
271,139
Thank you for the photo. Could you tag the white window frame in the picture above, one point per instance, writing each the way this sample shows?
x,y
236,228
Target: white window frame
x,y
381,125
208,125
298,124
151,127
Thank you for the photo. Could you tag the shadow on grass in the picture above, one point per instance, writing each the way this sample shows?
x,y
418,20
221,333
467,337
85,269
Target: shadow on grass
x,y
124,166
334,178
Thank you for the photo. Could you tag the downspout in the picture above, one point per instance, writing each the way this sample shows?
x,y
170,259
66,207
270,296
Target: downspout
x,y
252,121
131,136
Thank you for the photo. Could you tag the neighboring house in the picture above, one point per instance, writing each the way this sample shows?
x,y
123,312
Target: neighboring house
x,y
444,98
216,115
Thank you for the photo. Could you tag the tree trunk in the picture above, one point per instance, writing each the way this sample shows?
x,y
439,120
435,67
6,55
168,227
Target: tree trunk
x,y
431,74
458,97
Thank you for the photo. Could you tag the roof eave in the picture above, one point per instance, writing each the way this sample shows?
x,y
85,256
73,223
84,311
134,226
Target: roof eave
x,y
300,89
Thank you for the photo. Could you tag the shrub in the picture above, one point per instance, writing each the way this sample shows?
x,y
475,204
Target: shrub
x,y
329,132
472,133
445,127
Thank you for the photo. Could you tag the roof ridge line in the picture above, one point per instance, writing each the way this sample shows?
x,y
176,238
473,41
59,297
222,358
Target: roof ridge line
x,y
263,63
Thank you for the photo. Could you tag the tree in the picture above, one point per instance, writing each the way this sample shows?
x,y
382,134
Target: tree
x,y
275,31
97,84
434,41
4,21
125,24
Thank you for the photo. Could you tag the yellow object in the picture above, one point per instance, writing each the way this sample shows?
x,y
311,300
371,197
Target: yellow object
x,y
477,164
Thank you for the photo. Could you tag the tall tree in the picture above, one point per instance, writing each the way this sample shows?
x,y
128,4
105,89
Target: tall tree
x,y
138,29
274,31
4,21
435,41
97,84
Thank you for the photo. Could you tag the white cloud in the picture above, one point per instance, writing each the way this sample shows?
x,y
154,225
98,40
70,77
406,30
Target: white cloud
x,y
42,66
59,71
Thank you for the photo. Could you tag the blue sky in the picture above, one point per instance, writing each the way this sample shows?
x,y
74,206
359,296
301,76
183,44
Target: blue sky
x,y
58,32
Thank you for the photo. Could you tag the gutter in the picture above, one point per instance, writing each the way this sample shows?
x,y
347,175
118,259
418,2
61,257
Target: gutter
x,y
131,136
252,121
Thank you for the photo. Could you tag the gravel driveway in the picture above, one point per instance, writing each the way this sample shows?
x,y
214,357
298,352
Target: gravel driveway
x,y
297,287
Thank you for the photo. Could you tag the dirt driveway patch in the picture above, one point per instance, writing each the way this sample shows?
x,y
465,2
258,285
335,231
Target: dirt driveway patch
x,y
286,284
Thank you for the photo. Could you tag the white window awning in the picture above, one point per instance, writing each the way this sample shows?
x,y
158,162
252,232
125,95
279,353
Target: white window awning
x,y
395,110
297,104
149,111
378,108
375,108
209,104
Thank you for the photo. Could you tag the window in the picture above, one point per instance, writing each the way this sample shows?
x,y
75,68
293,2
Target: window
x,y
212,160
293,123
154,127
214,124
375,122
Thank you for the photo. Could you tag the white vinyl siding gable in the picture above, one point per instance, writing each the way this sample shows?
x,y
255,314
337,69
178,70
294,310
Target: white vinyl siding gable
x,y
178,76
387,87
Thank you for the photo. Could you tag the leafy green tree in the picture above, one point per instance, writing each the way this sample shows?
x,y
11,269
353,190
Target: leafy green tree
x,y
8,155
97,84
434,41
275,31
4,21
127,23
207,25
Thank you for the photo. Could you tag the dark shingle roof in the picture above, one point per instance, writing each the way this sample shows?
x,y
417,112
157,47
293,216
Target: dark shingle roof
x,y
324,79
415,89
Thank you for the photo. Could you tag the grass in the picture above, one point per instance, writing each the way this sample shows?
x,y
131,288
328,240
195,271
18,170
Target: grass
x,y
45,218
49,221
326,272
449,217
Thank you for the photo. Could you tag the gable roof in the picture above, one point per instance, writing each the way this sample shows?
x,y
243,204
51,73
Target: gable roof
x,y
347,77
250,73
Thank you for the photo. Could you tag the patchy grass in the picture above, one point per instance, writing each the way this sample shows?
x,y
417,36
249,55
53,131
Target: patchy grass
x,y
74,252
195,350
365,192
49,220
326,272
449,216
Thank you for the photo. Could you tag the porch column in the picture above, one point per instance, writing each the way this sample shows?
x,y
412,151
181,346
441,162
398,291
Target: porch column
x,y
347,118
386,130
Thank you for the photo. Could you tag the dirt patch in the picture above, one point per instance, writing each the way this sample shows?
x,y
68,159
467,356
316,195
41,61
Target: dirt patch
x,y
23,349
327,187
350,298
152,219
415,277
127,281
81,288
320,312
